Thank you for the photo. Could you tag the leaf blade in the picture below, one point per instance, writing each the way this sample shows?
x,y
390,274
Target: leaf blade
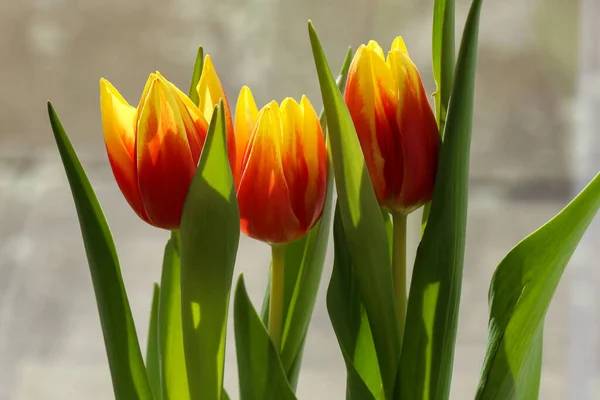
x,y
127,368
520,293
174,382
152,349
361,217
432,315
209,239
261,373
196,74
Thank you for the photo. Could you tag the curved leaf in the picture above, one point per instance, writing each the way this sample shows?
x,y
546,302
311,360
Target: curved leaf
x,y
364,228
120,339
520,293
261,374
209,240
426,363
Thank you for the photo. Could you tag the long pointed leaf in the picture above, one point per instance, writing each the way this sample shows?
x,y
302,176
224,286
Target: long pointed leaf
x,y
520,293
431,321
196,74
443,67
209,241
261,374
174,380
361,217
152,350
350,322
120,339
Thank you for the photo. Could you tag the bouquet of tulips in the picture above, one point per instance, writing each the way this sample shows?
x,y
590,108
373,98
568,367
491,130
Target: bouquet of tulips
x,y
189,165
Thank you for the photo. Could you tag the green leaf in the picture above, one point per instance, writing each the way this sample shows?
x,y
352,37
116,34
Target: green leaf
x,y
520,293
152,349
443,57
426,363
350,321
174,380
443,68
261,374
120,339
364,228
209,241
304,260
198,66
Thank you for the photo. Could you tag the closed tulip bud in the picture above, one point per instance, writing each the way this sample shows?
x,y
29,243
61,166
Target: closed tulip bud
x,y
154,149
282,172
395,125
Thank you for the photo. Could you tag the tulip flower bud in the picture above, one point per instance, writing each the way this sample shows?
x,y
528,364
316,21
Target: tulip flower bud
x,y
154,149
283,168
395,125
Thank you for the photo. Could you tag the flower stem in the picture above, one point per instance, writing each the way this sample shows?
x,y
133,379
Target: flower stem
x,y
276,298
399,268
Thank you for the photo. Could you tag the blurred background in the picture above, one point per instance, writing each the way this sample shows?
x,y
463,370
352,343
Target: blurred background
x,y
535,144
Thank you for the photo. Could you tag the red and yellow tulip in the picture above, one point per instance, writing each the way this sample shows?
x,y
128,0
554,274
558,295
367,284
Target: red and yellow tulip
x,y
154,149
395,125
282,169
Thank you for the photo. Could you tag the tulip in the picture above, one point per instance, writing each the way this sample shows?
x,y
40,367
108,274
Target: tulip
x,y
282,170
154,149
395,125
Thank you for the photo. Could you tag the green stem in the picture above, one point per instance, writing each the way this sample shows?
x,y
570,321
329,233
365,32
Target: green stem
x,y
399,268
276,298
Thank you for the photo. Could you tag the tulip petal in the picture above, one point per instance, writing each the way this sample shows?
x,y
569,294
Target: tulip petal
x,y
419,135
398,44
312,151
210,92
375,48
264,199
196,134
118,122
246,115
164,158
372,99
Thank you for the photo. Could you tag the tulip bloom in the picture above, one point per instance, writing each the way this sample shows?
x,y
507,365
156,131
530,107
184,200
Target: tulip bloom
x,y
282,170
395,125
154,149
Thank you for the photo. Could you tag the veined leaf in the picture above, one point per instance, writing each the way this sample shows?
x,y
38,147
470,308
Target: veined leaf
x,y
120,339
520,293
261,374
174,382
364,229
152,350
426,363
209,240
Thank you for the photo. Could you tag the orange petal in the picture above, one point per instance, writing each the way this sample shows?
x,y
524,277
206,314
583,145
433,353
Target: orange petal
x,y
315,155
263,196
372,99
118,122
303,148
246,115
419,136
210,92
196,134
164,158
